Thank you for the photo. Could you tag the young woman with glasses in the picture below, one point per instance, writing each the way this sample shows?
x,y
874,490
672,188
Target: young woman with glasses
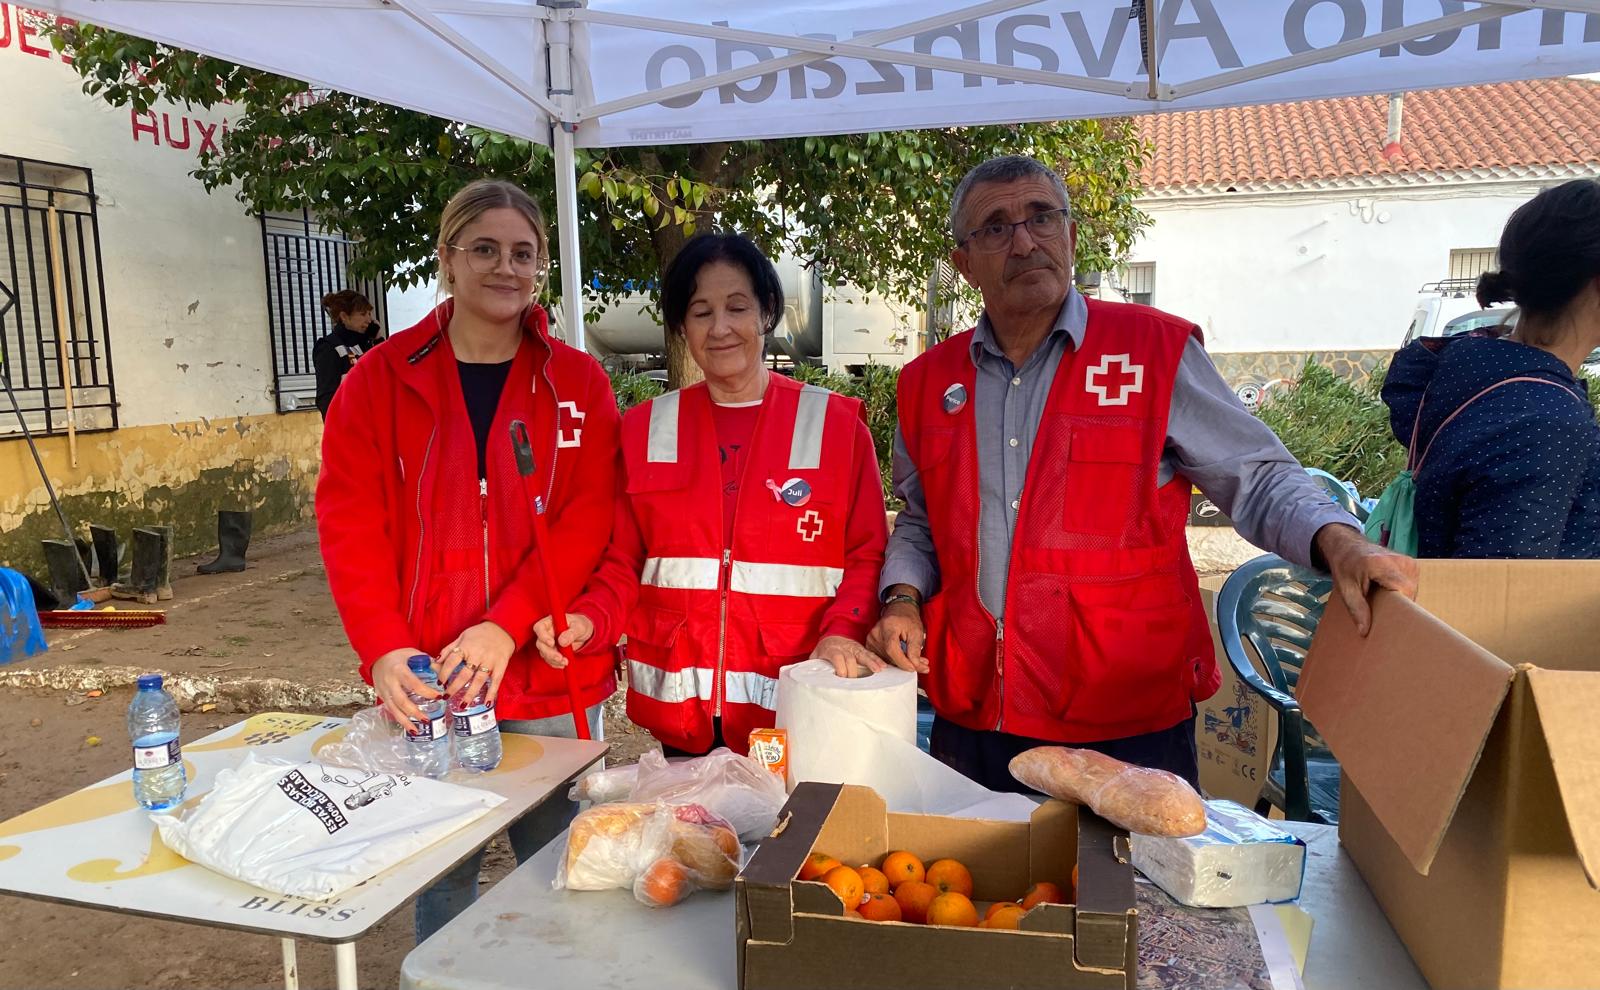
x,y
425,520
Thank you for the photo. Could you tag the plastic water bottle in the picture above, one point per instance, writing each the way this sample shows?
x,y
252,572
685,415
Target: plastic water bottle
x,y
428,742
477,732
159,779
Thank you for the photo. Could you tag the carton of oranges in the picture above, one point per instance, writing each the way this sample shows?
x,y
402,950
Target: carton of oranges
x,y
902,888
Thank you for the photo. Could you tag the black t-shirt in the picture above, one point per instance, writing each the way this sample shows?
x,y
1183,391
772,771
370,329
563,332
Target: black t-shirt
x,y
481,385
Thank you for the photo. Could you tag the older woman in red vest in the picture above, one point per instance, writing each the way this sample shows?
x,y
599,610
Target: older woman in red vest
x,y
750,524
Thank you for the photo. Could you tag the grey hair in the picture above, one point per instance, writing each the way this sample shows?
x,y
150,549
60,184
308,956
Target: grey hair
x,y
1006,168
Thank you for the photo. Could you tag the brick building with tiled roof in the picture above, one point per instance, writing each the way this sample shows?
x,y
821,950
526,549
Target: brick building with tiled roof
x,y
1299,227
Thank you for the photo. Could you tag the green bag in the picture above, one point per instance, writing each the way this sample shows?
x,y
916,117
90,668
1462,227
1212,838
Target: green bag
x,y
1393,521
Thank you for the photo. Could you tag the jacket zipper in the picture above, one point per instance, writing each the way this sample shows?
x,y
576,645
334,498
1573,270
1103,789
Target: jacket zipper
x,y
999,624
722,633
555,440
483,512
416,571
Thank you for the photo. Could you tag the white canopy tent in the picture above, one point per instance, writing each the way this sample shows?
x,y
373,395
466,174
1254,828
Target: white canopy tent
x,y
609,73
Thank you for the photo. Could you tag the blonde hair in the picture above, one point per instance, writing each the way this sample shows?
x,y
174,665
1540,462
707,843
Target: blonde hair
x,y
479,197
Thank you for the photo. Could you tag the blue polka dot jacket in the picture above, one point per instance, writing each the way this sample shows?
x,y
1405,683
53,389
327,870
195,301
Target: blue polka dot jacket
x,y
1517,473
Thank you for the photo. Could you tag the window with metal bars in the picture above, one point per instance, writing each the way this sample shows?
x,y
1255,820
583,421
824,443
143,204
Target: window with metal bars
x,y
306,261
55,343
1469,263
1138,282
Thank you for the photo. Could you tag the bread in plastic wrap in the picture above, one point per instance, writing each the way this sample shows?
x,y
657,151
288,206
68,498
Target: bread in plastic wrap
x,y
1154,802
1240,859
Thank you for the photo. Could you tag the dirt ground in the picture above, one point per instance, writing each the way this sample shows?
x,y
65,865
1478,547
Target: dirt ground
x,y
264,640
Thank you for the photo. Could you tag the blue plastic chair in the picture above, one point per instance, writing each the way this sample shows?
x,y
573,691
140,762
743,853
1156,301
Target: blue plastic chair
x,y
1341,493
1275,606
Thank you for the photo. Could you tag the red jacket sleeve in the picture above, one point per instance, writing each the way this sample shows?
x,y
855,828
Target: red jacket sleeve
x,y
356,533
855,607
614,589
579,518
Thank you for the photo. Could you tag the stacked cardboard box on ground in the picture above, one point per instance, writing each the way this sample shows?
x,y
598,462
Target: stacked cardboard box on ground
x,y
1466,724
793,934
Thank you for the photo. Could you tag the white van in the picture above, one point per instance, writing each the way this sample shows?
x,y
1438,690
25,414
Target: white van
x,y
1450,307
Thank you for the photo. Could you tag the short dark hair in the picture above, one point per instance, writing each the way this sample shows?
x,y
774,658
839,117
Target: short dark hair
x,y
677,288
1006,168
1549,251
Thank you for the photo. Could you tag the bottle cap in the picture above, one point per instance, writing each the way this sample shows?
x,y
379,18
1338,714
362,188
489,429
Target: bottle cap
x,y
420,663
149,681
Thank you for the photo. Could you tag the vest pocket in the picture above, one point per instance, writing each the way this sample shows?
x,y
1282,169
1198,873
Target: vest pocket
x,y
957,684
785,643
1125,661
1106,479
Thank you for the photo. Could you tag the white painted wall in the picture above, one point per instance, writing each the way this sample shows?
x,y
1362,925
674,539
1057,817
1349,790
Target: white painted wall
x,y
1315,270
184,277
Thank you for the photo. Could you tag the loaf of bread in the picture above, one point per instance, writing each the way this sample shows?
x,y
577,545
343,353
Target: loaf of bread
x,y
1150,802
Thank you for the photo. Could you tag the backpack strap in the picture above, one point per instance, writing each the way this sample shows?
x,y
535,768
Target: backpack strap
x,y
1462,408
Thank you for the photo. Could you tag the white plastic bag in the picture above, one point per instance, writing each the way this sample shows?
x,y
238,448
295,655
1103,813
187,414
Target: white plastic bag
x,y
315,830
736,788
373,741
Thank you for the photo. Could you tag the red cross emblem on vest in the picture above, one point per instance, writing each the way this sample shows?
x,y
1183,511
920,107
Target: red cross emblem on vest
x,y
809,526
1114,379
569,425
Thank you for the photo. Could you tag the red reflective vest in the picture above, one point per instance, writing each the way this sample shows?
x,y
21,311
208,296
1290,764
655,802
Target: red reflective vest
x,y
712,626
1104,635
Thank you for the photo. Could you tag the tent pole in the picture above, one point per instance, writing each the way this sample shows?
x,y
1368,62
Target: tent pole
x,y
559,50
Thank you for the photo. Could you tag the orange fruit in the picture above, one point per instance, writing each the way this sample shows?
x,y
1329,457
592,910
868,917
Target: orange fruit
x,y
996,907
1074,898
853,913
950,877
1043,892
951,908
914,896
881,907
847,884
664,883
902,866
816,865
873,880
1008,916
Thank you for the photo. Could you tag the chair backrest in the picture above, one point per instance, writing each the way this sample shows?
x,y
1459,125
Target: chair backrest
x,y
1274,606
1341,495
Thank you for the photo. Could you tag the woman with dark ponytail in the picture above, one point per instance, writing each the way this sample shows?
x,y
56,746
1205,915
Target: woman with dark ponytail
x,y
1503,441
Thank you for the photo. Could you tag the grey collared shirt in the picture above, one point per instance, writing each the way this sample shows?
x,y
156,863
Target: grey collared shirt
x,y
1229,454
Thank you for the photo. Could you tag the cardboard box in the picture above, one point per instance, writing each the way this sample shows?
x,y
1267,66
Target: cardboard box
x,y
1235,729
1471,799
794,935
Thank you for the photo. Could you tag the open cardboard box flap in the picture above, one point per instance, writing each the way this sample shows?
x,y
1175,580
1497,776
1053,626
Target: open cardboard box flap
x,y
1567,701
1406,710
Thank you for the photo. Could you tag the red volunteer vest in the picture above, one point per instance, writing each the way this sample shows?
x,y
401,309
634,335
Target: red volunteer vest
x,y
1104,635
713,626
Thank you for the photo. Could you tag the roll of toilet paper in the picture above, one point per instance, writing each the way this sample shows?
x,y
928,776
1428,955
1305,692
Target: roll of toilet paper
x,y
864,731
811,698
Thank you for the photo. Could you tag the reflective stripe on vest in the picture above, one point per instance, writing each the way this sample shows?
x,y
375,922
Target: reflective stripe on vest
x,y
792,580
805,448
701,573
677,686
663,444
685,573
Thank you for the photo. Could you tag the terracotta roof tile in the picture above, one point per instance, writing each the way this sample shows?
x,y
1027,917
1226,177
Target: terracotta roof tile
x,y
1533,123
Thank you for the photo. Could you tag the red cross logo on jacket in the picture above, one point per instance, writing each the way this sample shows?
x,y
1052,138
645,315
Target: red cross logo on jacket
x,y
569,429
1113,388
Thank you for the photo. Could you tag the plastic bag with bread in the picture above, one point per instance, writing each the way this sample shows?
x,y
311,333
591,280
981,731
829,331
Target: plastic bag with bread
x,y
662,852
1150,802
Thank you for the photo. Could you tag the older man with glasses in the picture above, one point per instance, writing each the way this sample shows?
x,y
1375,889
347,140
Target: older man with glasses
x,y
1039,577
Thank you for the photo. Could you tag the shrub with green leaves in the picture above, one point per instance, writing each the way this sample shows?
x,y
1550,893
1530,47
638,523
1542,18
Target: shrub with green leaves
x,y
1340,427
632,388
876,389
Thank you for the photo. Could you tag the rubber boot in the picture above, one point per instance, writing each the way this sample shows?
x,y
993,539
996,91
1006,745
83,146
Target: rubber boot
x,y
145,575
104,539
233,539
66,570
164,579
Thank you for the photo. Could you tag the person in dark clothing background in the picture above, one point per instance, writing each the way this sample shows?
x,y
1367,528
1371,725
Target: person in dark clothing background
x,y
1504,444
354,333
